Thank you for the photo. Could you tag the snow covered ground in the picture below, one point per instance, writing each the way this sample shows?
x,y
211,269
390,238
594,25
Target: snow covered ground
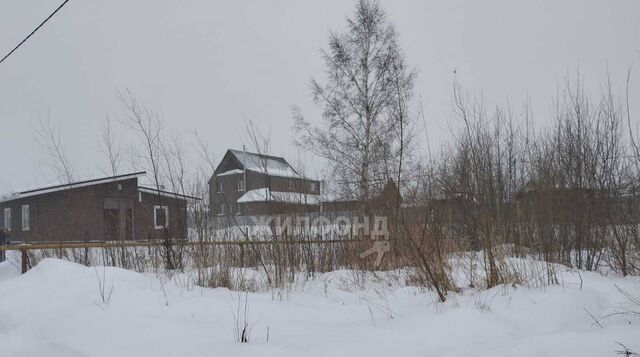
x,y
56,309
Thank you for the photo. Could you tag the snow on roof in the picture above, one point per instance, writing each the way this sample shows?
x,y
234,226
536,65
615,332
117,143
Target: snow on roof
x,y
265,164
67,186
154,191
266,195
230,172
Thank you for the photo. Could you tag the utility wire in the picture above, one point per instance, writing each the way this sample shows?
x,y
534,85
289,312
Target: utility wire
x,y
34,31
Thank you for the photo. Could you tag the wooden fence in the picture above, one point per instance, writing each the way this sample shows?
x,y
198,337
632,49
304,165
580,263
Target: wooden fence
x,y
25,248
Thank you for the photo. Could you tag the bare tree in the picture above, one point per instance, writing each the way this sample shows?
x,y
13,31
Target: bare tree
x,y
403,124
147,123
204,151
402,121
109,147
47,136
173,163
261,144
149,126
356,135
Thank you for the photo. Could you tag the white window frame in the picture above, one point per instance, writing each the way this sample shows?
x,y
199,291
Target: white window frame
x,y
155,217
25,217
240,185
313,187
7,219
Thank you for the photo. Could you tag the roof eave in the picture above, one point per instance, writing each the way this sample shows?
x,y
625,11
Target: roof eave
x,y
64,187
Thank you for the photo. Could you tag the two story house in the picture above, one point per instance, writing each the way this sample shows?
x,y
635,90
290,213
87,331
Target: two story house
x,y
246,183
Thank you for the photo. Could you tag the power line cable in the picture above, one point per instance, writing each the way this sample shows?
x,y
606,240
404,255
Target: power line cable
x,y
34,31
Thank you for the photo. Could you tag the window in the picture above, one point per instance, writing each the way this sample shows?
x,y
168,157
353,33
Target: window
x,y
25,217
292,185
313,187
238,212
222,210
161,217
220,187
7,219
241,185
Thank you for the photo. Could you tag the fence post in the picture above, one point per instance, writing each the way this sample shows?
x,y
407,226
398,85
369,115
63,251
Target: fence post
x,y
241,255
25,260
3,239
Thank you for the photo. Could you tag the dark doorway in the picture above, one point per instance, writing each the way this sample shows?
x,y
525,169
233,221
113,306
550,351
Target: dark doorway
x,y
118,219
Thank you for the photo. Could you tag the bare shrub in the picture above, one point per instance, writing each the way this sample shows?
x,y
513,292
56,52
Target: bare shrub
x,y
241,327
105,288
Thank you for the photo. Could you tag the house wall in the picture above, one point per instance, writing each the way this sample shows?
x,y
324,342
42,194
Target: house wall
x,y
74,214
145,225
229,194
77,214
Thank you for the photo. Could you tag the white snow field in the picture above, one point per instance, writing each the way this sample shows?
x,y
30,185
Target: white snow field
x,y
56,309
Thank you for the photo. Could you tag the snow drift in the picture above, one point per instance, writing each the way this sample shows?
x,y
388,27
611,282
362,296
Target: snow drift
x,y
59,309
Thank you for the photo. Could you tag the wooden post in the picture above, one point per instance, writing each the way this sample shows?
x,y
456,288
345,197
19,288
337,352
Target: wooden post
x,y
3,241
241,255
25,260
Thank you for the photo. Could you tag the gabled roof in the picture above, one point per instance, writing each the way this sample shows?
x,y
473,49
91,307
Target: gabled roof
x,y
261,163
61,187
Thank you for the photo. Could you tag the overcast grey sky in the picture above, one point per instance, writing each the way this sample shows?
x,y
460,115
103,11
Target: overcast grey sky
x,y
211,64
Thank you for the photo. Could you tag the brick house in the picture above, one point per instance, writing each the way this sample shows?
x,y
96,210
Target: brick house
x,y
247,183
104,209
